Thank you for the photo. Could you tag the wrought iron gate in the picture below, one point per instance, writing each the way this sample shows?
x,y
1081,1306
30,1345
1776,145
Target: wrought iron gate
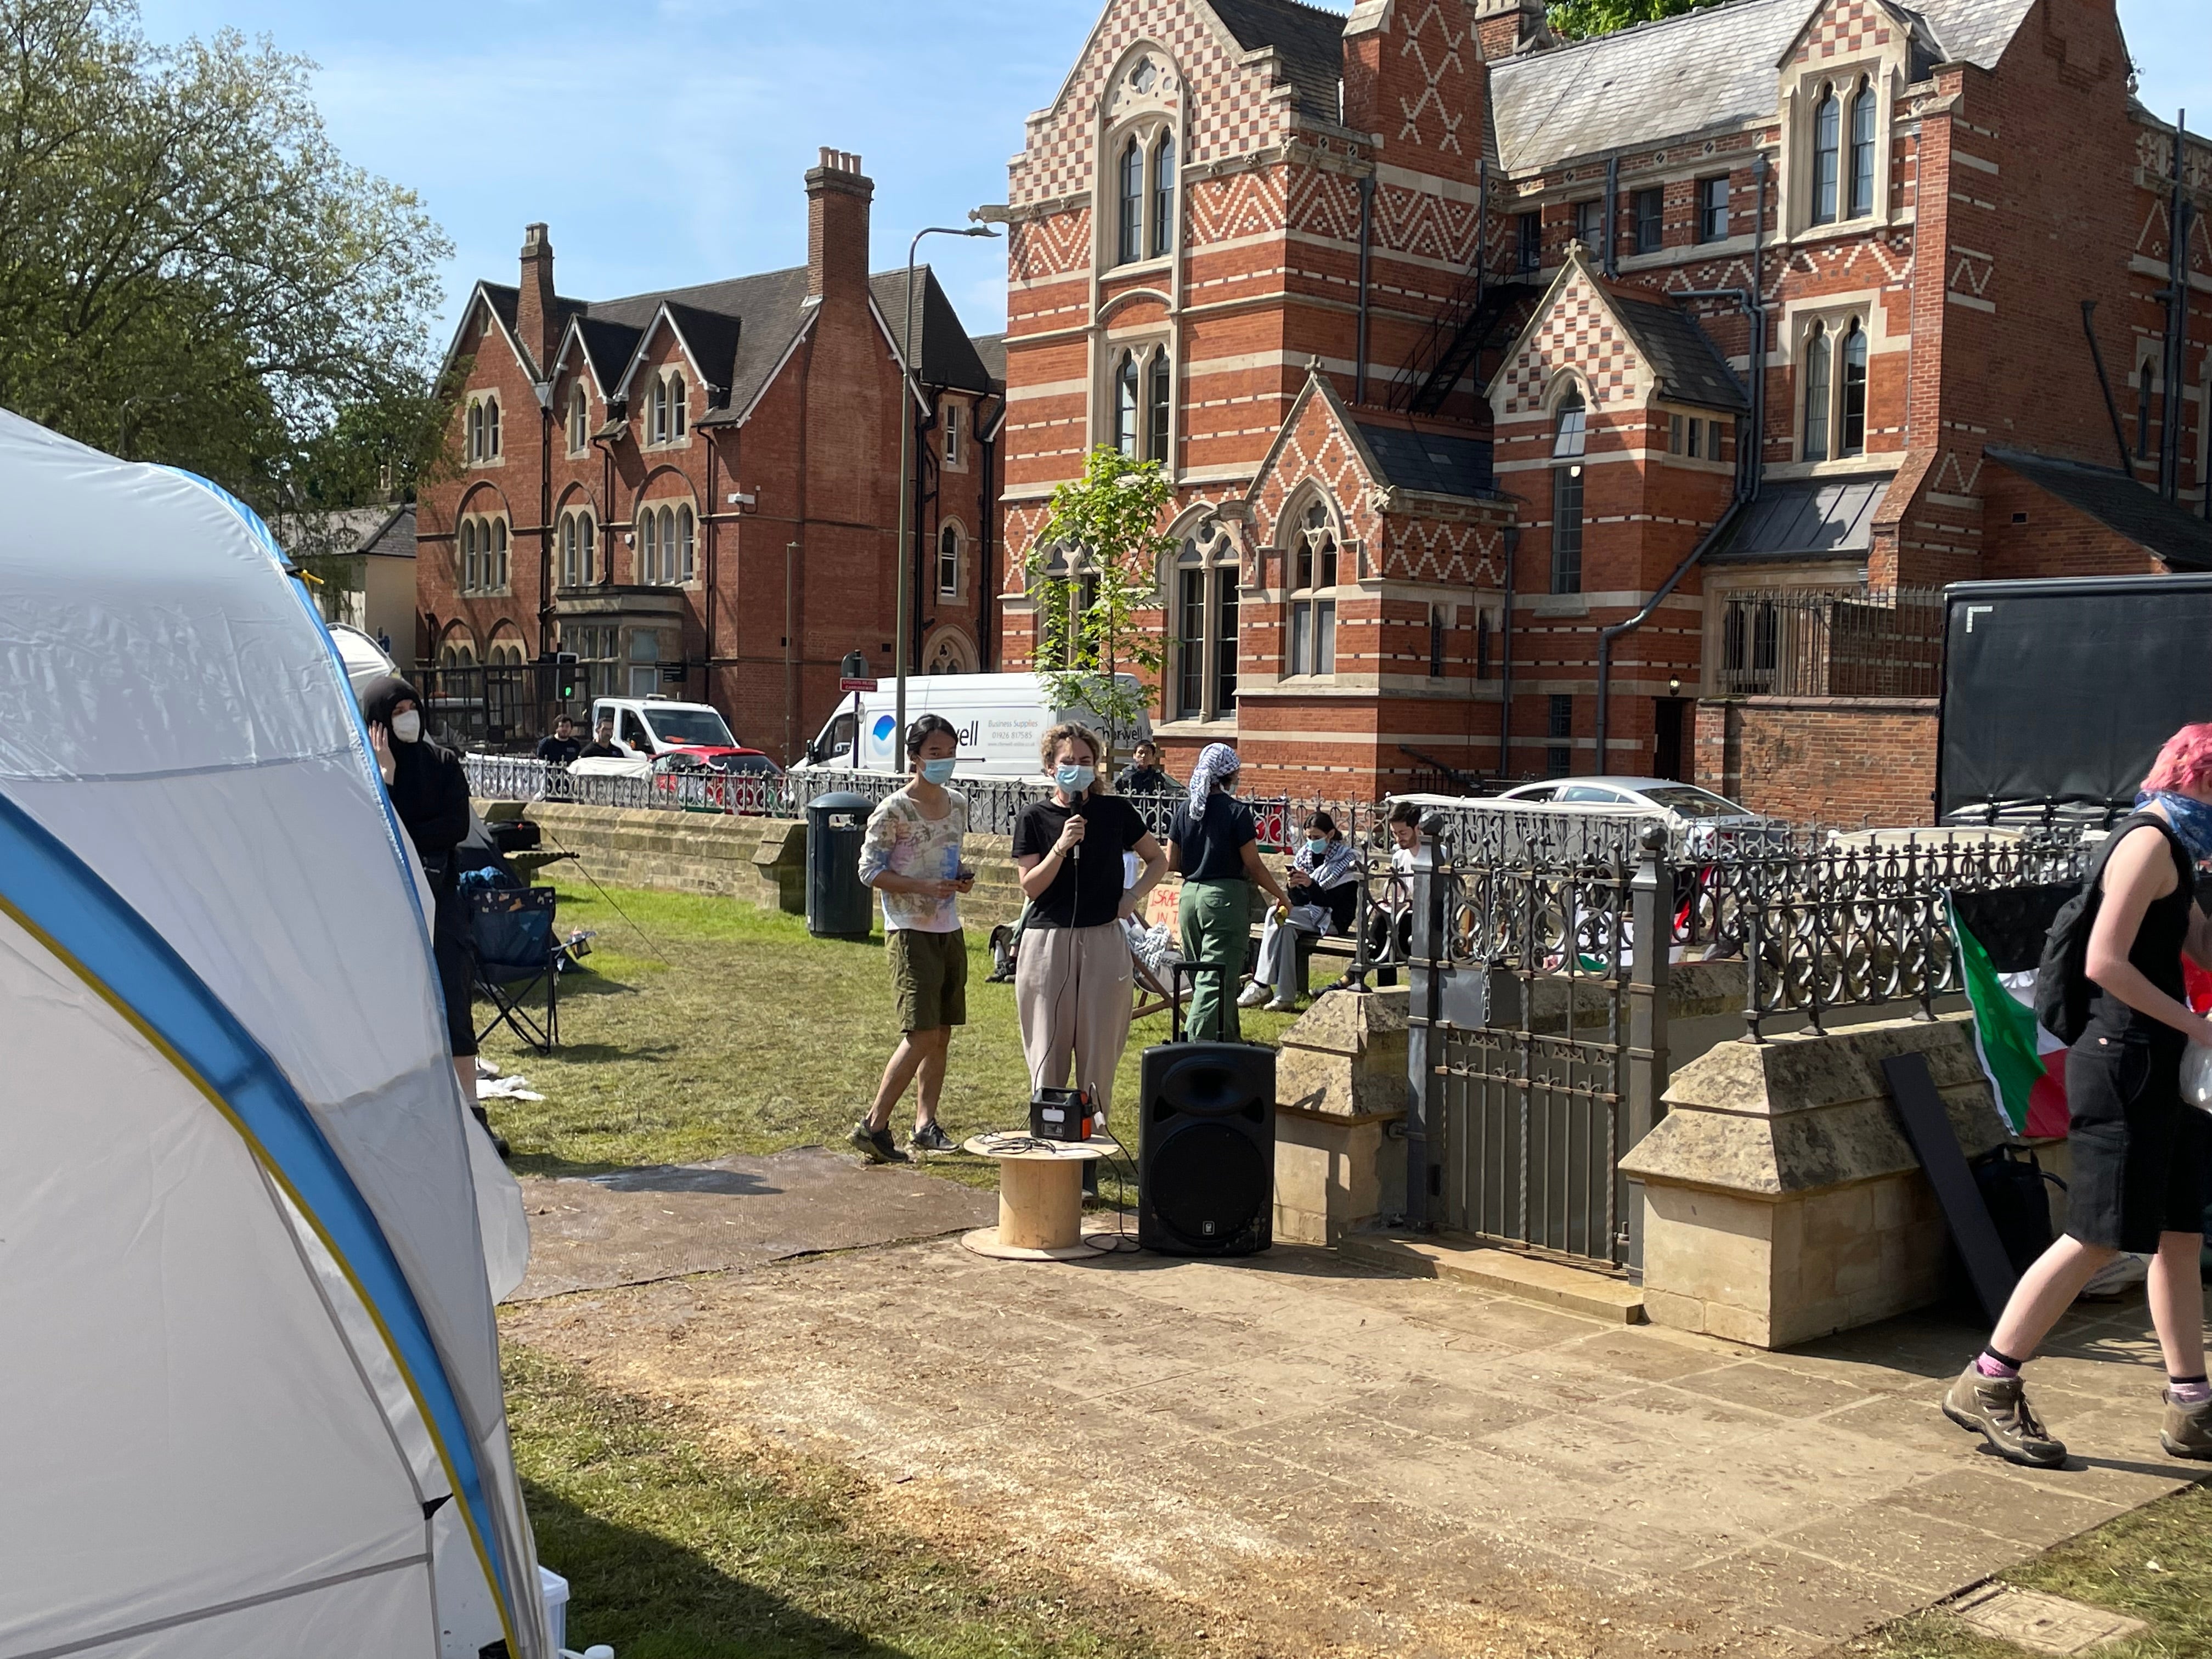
x,y
1537,1045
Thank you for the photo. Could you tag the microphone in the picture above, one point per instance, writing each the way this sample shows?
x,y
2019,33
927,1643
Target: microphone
x,y
1075,852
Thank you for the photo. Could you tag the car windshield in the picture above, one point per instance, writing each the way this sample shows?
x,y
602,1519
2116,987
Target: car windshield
x,y
1694,803
694,725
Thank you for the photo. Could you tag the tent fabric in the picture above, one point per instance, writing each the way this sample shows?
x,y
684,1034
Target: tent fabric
x,y
196,840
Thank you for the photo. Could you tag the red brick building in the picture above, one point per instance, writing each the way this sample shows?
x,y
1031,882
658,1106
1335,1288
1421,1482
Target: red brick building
x,y
1511,387
697,491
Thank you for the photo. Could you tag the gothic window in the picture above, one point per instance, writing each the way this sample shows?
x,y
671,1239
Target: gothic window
x,y
948,562
1827,116
1125,405
459,650
1164,195
1570,434
949,420
1064,595
648,546
1132,240
483,556
1851,435
498,572
666,423
1713,209
1159,388
579,538
1816,394
1863,112
1569,427
678,406
579,419
1205,675
466,556
950,655
1313,598
482,443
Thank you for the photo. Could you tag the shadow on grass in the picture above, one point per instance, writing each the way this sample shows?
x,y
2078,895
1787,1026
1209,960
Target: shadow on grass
x,y
652,1599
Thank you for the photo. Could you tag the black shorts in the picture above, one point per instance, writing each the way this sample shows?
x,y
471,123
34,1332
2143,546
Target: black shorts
x,y
2142,1156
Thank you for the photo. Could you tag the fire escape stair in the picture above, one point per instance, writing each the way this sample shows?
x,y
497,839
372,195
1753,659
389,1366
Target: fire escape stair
x,y
1464,347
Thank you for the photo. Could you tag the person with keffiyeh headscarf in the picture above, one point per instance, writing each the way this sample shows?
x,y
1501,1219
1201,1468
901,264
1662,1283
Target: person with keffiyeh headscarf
x,y
1215,845
1324,891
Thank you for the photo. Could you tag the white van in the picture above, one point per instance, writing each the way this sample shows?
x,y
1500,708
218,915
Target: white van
x,y
659,726
1000,718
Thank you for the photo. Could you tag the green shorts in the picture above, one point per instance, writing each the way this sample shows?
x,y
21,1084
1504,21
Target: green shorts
x,y
929,972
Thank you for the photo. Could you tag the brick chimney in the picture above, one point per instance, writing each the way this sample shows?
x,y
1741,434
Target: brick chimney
x,y
837,198
1416,82
537,320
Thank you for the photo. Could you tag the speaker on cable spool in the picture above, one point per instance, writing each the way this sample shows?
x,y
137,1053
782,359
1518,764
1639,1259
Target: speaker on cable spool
x,y
1205,1155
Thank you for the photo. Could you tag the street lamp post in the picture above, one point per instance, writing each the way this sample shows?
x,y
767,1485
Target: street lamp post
x,y
908,387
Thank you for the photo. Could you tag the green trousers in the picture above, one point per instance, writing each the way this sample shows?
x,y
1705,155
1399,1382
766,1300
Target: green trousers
x,y
1216,919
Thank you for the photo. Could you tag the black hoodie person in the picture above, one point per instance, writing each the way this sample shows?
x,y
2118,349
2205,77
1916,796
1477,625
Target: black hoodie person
x,y
429,792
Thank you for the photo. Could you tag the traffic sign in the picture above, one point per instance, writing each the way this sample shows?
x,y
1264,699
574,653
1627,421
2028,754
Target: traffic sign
x,y
856,685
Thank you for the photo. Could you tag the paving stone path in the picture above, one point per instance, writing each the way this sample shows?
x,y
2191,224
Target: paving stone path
x,y
1299,1454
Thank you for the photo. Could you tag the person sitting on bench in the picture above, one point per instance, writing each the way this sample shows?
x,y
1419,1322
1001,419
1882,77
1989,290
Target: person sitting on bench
x,y
1324,893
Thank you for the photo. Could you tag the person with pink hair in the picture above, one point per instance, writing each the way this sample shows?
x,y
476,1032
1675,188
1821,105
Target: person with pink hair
x,y
2143,1156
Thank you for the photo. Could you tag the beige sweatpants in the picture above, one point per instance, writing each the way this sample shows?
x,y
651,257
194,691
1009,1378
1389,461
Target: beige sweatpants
x,y
1073,987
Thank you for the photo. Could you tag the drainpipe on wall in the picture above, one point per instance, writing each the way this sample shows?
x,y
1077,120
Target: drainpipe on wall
x,y
986,579
2104,385
1610,266
1512,540
544,531
2179,213
1366,230
1748,473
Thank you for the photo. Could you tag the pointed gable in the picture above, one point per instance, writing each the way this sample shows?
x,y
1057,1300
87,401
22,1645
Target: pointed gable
x,y
1626,345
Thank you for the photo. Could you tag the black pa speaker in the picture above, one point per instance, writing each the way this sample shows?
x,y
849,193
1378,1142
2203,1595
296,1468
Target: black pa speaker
x,y
1206,1153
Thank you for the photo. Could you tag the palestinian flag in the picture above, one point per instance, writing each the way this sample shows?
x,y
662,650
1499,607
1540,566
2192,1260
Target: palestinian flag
x,y
2024,1064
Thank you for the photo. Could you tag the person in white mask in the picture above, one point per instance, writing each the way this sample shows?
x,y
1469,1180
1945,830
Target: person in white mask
x,y
429,792
1072,979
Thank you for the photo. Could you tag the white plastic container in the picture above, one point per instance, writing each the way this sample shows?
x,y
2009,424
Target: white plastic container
x,y
554,1590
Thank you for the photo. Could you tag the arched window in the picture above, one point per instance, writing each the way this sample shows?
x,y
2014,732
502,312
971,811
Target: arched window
x,y
497,574
1313,602
1066,592
1570,436
1851,435
948,562
2145,382
1816,394
1125,405
476,425
1159,388
579,420
1131,244
656,425
951,655
578,535
470,575
1163,194
1204,681
1827,136
687,560
648,545
677,405
1862,119
491,428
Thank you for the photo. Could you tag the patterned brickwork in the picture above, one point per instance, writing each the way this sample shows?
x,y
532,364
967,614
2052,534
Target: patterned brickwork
x,y
1437,51
1229,110
1317,449
1058,245
1843,30
1578,331
1460,552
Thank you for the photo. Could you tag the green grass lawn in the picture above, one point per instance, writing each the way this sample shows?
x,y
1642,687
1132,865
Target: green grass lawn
x,y
708,1027
675,1551
2151,1564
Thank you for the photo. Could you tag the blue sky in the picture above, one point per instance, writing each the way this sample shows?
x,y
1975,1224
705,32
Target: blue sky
x,y
664,142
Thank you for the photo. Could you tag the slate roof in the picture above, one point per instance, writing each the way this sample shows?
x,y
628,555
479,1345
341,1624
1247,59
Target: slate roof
x,y
393,538
1435,463
740,329
1690,366
1806,519
991,352
1310,41
2119,503
1703,69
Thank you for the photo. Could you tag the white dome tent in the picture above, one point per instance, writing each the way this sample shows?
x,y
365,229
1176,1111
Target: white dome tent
x,y
251,1397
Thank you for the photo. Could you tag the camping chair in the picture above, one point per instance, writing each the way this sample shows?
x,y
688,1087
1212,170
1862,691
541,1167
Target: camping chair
x,y
513,943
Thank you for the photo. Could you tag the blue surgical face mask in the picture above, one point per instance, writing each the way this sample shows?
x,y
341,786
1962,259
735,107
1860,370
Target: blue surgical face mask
x,y
1316,845
939,771
2192,819
1075,778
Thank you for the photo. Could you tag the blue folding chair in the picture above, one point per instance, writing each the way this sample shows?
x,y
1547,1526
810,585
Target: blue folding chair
x,y
514,947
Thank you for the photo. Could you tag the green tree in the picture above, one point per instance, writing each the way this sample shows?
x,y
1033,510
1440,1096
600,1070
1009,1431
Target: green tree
x,y
1094,565
1578,19
190,273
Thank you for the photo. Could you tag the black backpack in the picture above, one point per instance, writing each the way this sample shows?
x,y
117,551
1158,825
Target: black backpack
x,y
2062,985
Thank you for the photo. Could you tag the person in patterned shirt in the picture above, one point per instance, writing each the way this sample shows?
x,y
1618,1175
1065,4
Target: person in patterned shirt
x,y
911,855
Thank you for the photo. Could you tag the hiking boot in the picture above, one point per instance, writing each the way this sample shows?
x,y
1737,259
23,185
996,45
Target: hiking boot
x,y
876,1144
1996,1407
1254,994
931,1138
2187,1432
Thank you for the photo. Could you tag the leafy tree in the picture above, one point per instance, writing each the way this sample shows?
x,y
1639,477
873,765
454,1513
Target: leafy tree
x,y
1094,565
190,273
1578,19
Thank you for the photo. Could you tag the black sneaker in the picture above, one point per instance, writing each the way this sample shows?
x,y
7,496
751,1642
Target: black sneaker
x,y
930,1138
875,1145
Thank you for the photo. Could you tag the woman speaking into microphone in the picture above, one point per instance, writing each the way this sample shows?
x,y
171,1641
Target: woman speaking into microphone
x,y
1073,977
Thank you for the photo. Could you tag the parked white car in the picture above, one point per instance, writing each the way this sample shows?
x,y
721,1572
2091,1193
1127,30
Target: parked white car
x,y
1698,817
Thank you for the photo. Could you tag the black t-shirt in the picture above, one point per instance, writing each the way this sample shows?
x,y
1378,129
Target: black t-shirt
x,y
1088,890
597,750
558,751
1212,847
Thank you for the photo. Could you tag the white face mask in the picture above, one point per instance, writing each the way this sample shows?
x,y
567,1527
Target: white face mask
x,y
407,727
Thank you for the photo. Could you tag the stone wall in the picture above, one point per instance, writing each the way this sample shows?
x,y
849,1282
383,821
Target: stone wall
x,y
1781,1200
1822,760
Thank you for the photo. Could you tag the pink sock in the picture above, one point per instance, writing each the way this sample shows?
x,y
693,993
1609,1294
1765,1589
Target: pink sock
x,y
1991,1365
2189,1391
